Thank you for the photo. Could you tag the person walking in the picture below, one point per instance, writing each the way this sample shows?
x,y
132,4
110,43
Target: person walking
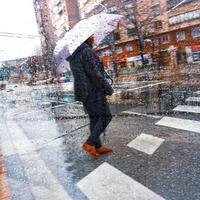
x,y
91,88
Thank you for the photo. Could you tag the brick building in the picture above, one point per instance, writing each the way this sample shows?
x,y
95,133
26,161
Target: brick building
x,y
170,28
45,25
73,12
59,17
46,30
54,18
64,15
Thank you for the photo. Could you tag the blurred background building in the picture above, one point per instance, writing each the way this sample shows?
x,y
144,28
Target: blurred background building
x,y
164,26
64,15
161,32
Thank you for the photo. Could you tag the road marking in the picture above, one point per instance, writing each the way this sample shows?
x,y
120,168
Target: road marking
x,y
141,114
198,92
141,87
147,86
146,143
183,124
193,99
189,109
107,182
43,183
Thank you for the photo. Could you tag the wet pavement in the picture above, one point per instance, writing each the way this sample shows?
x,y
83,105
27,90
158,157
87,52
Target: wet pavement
x,y
39,167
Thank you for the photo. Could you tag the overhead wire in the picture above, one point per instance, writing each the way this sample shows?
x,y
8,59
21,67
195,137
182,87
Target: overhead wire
x,y
18,35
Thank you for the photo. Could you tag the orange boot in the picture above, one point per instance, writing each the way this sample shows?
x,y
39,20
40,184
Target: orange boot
x,y
90,150
103,150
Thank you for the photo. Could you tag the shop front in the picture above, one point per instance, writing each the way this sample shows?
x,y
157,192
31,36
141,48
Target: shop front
x,y
196,53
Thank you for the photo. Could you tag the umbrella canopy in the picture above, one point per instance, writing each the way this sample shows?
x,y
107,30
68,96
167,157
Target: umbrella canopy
x,y
98,25
106,23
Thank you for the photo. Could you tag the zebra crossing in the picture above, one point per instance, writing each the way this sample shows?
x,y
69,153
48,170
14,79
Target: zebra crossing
x,y
118,185
186,108
181,123
197,93
106,181
193,99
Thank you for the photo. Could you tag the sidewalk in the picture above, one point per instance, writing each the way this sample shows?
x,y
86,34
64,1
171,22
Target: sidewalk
x,y
4,191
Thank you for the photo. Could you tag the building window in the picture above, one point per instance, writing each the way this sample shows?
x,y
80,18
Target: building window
x,y
158,25
129,47
180,35
173,3
131,32
119,50
60,13
58,4
116,36
100,53
196,56
155,41
165,38
196,32
130,17
129,5
112,9
107,52
185,17
155,10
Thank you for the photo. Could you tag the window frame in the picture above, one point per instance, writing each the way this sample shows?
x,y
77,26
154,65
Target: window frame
x,y
129,47
163,38
156,25
119,52
131,32
156,12
192,32
180,39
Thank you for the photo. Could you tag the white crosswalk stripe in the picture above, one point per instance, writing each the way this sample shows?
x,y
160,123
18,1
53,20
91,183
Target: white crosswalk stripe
x,y
107,182
198,92
146,143
193,99
183,124
189,109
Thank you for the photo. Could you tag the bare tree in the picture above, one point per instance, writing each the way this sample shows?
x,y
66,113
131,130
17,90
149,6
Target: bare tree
x,y
140,20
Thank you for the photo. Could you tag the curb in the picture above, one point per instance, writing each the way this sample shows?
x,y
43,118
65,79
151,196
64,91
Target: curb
x,y
4,190
131,113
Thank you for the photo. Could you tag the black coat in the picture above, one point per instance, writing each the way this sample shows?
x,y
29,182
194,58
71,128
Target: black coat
x,y
90,83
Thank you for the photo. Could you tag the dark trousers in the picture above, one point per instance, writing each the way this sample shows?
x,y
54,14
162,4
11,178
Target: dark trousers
x,y
99,116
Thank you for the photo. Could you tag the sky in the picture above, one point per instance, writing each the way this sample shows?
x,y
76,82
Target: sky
x,y
18,16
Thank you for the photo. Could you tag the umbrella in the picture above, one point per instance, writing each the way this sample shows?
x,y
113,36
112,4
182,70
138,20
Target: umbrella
x,y
106,23
98,25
